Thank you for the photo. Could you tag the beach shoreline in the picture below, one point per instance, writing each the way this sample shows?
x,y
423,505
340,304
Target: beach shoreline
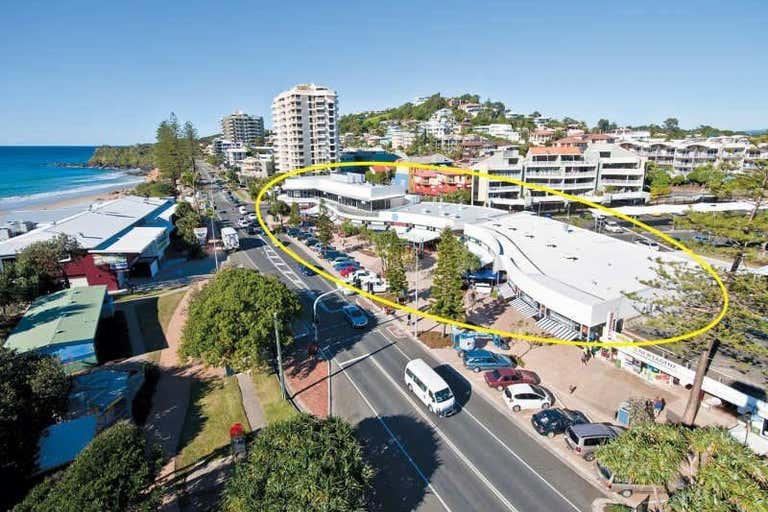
x,y
53,209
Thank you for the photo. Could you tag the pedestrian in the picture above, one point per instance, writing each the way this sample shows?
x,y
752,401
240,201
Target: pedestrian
x,y
571,388
312,349
584,358
658,406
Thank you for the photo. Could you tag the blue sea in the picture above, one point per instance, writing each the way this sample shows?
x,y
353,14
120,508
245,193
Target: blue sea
x,y
29,176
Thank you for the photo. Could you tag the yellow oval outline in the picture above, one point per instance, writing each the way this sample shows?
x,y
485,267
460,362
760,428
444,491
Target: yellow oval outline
x,y
456,170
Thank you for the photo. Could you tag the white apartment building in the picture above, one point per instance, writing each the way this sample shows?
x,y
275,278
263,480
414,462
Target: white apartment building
x,y
234,156
473,109
684,155
241,127
506,162
620,173
501,130
441,124
305,120
604,173
220,146
400,138
541,137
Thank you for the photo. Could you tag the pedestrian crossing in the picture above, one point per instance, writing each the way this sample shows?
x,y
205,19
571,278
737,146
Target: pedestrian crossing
x,y
282,266
557,329
523,307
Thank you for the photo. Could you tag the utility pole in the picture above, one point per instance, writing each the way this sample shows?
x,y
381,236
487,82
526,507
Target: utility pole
x,y
213,228
416,302
279,357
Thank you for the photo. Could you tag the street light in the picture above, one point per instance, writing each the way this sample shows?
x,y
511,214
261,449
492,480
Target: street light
x,y
326,354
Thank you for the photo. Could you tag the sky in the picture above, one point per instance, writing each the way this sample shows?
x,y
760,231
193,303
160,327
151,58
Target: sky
x,y
108,72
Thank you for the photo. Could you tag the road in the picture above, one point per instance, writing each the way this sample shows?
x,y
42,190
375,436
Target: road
x,y
476,459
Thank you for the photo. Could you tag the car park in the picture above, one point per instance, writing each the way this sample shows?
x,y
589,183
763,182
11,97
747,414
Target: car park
x,y
552,422
502,377
429,387
527,396
479,359
647,243
355,315
585,438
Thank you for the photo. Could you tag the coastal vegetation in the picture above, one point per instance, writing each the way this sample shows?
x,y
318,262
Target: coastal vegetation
x,y
231,320
138,156
305,463
33,393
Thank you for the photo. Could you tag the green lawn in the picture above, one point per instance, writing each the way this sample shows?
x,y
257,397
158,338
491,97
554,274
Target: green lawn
x,y
153,315
268,392
214,406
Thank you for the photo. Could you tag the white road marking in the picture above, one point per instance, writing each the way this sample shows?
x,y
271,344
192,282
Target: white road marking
x,y
446,439
465,409
397,441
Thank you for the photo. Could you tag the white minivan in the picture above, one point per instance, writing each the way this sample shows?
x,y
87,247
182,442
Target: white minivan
x,y
425,383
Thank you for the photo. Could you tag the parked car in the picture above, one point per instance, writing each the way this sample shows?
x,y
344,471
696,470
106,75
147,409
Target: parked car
x,y
346,264
331,254
306,270
342,259
242,210
361,274
584,438
478,360
626,489
377,285
303,235
502,377
252,216
647,243
356,316
483,288
347,271
527,396
554,421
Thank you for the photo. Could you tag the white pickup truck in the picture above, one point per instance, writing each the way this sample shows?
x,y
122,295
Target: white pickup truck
x,y
230,239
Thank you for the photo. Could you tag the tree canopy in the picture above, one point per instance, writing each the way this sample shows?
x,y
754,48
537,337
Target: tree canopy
x,y
138,156
33,393
447,293
303,464
115,472
230,320
701,468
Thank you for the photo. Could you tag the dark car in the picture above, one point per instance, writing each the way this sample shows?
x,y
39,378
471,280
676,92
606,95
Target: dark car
x,y
332,254
478,360
355,315
552,422
503,377
306,270
292,231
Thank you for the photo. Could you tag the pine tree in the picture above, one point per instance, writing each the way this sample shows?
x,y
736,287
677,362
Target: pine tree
x,y
447,282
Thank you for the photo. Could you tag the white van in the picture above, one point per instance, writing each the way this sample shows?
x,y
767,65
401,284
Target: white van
x,y
425,383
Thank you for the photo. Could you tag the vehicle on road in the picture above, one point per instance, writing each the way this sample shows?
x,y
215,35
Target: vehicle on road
x,y
611,226
429,387
503,377
584,438
355,315
527,396
306,270
252,217
647,243
554,421
230,239
243,210
479,359
253,230
243,222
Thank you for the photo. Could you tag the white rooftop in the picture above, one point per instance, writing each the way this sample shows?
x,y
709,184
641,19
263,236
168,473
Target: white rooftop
x,y
344,185
459,213
134,241
583,264
680,209
94,226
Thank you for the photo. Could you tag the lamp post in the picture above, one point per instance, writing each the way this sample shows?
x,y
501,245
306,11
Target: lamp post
x,y
326,353
279,357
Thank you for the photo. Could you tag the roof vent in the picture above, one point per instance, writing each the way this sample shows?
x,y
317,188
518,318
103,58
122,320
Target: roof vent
x,y
572,258
551,245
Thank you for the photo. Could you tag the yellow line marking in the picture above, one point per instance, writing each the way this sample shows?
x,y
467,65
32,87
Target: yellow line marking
x,y
528,337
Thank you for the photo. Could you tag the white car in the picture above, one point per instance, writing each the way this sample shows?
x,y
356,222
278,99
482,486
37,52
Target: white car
x,y
362,274
483,288
612,226
648,243
377,285
527,396
243,210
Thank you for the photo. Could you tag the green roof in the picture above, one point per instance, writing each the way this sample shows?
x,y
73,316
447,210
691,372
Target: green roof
x,y
66,317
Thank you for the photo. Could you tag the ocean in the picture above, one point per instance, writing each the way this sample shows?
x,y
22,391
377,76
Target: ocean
x,y
29,176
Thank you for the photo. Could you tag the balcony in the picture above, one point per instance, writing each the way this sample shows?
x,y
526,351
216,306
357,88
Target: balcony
x,y
621,183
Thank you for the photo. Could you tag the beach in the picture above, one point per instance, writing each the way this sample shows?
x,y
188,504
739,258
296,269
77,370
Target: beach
x,y
55,209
